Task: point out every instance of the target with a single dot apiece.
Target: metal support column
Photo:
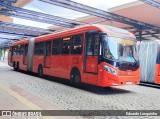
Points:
(140, 35)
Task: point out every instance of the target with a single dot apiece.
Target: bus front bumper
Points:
(119, 80)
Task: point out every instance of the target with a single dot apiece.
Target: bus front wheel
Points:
(40, 71)
(75, 78)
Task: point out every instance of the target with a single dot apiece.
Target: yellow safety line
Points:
(22, 99)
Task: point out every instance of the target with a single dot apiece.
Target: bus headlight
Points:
(109, 69)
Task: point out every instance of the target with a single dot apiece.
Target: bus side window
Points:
(18, 49)
(96, 44)
(56, 49)
(65, 47)
(48, 48)
(39, 48)
(76, 44)
(15, 50)
(36, 49)
(92, 44)
(21, 50)
(26, 50)
(11, 50)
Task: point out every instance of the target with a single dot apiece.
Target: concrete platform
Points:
(14, 98)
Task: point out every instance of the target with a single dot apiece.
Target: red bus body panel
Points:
(157, 74)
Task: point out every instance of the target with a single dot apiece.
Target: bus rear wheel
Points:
(75, 78)
(40, 71)
(14, 66)
(17, 66)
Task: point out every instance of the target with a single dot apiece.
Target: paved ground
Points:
(53, 93)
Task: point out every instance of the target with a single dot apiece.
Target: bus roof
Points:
(20, 42)
(109, 30)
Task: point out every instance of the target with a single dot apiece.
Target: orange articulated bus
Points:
(94, 54)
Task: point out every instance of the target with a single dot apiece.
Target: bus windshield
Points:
(119, 49)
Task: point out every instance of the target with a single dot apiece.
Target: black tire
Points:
(40, 71)
(14, 66)
(75, 78)
(17, 66)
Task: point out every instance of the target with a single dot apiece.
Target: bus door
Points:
(25, 54)
(91, 52)
(47, 54)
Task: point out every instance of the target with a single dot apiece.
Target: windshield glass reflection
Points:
(119, 49)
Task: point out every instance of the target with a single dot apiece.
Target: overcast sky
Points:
(66, 13)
